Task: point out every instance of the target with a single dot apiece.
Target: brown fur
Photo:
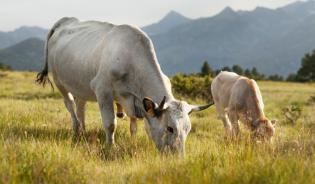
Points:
(253, 95)
(120, 112)
(149, 106)
(238, 98)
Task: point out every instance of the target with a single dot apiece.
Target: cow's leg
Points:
(133, 126)
(70, 105)
(233, 117)
(120, 111)
(80, 104)
(106, 104)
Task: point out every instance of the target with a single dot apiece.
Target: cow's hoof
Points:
(120, 114)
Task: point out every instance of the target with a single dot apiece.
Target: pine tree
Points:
(206, 69)
(226, 68)
(248, 73)
(237, 69)
(307, 71)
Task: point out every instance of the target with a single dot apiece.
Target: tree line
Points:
(5, 67)
(306, 72)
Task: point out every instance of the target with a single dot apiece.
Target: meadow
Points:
(37, 143)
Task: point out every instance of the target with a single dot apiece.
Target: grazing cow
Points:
(238, 98)
(98, 61)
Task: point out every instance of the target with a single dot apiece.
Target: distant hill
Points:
(171, 20)
(26, 55)
(12, 37)
(272, 40)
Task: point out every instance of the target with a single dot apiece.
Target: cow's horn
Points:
(162, 103)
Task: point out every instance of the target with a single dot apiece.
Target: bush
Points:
(275, 77)
(292, 113)
(192, 86)
(5, 67)
(291, 78)
(311, 100)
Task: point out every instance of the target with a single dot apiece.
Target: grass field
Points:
(37, 146)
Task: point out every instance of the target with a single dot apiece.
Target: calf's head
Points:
(169, 124)
(264, 129)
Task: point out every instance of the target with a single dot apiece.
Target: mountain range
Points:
(272, 40)
(10, 38)
(25, 55)
(171, 20)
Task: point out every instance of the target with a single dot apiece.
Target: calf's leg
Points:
(234, 119)
(225, 120)
(227, 124)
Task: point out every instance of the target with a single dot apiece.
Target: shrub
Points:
(311, 100)
(292, 113)
(5, 67)
(192, 86)
(291, 78)
(275, 77)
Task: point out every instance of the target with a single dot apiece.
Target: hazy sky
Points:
(15, 13)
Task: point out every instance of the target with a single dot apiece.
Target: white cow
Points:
(98, 61)
(238, 98)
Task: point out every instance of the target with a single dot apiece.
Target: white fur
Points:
(98, 61)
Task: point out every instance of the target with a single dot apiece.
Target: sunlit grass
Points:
(37, 144)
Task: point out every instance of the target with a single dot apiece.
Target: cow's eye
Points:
(170, 129)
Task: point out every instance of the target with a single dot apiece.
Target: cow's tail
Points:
(42, 77)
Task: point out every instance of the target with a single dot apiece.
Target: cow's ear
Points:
(153, 109)
(149, 106)
(274, 122)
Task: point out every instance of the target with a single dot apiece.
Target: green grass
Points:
(37, 144)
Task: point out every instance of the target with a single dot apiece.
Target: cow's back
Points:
(74, 53)
(83, 55)
(77, 42)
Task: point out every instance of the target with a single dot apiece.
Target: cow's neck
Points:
(154, 86)
(149, 83)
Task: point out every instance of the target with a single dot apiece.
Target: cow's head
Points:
(168, 123)
(264, 128)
